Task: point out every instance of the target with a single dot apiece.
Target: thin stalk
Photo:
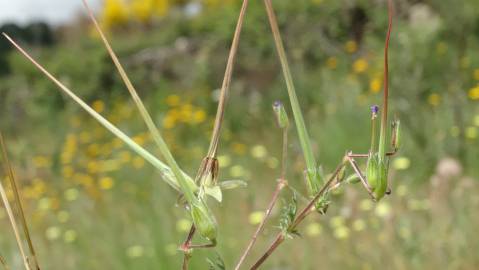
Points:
(16, 232)
(302, 215)
(384, 113)
(297, 114)
(166, 172)
(281, 184)
(213, 148)
(18, 199)
(207, 165)
(160, 142)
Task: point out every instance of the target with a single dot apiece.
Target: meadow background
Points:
(94, 204)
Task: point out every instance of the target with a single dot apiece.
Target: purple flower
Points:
(374, 109)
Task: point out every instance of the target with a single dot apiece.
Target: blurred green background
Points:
(94, 204)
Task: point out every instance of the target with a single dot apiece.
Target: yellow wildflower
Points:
(138, 162)
(351, 46)
(239, 148)
(360, 65)
(375, 85)
(106, 183)
(114, 13)
(98, 106)
(476, 74)
(256, 217)
(434, 99)
(474, 93)
(471, 132)
(332, 62)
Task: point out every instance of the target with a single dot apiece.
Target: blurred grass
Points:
(93, 204)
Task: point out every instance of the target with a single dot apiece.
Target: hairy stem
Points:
(302, 215)
(281, 184)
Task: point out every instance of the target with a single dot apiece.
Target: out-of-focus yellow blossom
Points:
(434, 99)
(69, 236)
(475, 74)
(375, 85)
(366, 205)
(474, 93)
(173, 100)
(360, 65)
(75, 121)
(71, 194)
(139, 139)
(441, 48)
(117, 143)
(401, 163)
(383, 209)
(332, 62)
(67, 171)
(169, 122)
(183, 225)
(125, 156)
(52, 233)
(237, 171)
(44, 204)
(224, 161)
(476, 120)
(359, 225)
(106, 183)
(259, 151)
(98, 106)
(341, 232)
(351, 46)
(239, 148)
(115, 12)
(135, 251)
(199, 116)
(272, 162)
(93, 149)
(317, 2)
(63, 216)
(256, 217)
(336, 221)
(313, 229)
(471, 132)
(93, 167)
(85, 137)
(145, 10)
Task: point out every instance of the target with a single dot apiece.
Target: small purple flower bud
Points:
(374, 111)
(280, 113)
(277, 104)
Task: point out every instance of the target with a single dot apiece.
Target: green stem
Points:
(297, 114)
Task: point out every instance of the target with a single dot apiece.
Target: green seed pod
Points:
(396, 140)
(377, 174)
(280, 113)
(372, 170)
(204, 221)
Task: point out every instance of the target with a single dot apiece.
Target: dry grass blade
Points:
(160, 142)
(18, 199)
(163, 168)
(16, 232)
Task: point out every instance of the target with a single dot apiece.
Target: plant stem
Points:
(16, 193)
(207, 164)
(302, 215)
(281, 184)
(314, 180)
(213, 148)
(166, 171)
